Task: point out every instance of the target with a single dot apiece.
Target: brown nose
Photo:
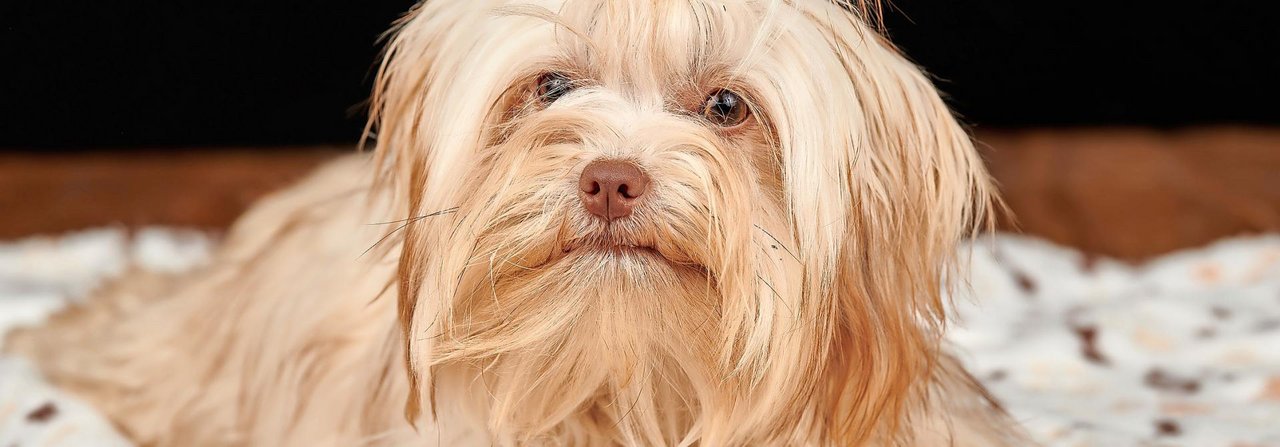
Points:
(611, 188)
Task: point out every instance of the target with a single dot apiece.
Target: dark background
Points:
(152, 73)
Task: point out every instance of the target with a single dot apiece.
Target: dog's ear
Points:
(397, 111)
(919, 189)
(881, 198)
(429, 109)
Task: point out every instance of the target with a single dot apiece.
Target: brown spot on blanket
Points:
(1221, 313)
(1089, 344)
(43, 413)
(1168, 427)
(1163, 381)
(1024, 282)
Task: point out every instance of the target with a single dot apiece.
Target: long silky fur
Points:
(791, 292)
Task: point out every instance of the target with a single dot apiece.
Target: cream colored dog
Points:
(596, 222)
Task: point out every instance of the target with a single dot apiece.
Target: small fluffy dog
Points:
(586, 222)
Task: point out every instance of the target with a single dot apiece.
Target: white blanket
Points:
(1183, 350)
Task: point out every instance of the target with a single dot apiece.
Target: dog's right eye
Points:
(725, 108)
(551, 86)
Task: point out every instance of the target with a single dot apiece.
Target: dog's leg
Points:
(288, 337)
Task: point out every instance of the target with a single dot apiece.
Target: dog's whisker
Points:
(405, 224)
(424, 216)
(779, 242)
(391, 282)
(775, 293)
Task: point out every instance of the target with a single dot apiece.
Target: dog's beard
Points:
(600, 337)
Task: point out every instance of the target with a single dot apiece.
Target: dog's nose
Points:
(611, 188)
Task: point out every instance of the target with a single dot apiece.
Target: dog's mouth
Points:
(617, 251)
(612, 250)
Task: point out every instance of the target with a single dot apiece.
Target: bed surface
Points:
(1182, 350)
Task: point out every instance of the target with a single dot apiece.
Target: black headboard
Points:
(183, 73)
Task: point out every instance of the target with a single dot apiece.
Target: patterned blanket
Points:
(1180, 351)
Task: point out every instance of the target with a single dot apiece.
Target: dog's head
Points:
(655, 221)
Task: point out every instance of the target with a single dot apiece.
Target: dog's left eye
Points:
(551, 86)
(725, 108)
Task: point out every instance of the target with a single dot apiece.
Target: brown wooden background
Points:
(1124, 192)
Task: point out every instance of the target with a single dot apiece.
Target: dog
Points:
(583, 222)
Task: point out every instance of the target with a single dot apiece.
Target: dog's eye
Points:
(551, 86)
(725, 108)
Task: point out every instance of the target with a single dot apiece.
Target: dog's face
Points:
(651, 221)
